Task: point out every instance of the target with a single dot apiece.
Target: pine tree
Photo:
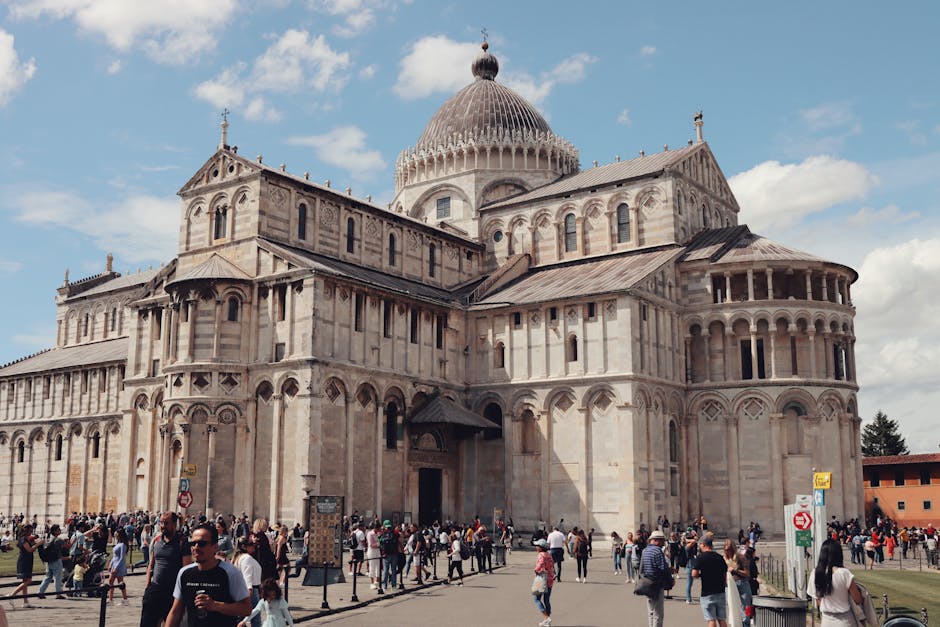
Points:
(881, 436)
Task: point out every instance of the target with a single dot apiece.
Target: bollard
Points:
(434, 566)
(325, 605)
(286, 583)
(354, 598)
(102, 611)
(884, 607)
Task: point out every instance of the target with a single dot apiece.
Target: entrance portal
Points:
(429, 495)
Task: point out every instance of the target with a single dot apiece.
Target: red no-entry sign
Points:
(802, 520)
(185, 499)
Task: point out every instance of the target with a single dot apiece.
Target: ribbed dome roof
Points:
(481, 107)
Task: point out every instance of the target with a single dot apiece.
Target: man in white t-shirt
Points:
(454, 560)
(556, 546)
(358, 551)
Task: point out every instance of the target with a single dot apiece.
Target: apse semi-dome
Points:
(485, 126)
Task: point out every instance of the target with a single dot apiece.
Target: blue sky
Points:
(824, 117)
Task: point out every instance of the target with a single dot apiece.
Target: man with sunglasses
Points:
(168, 554)
(211, 591)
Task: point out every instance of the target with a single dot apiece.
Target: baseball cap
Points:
(386, 523)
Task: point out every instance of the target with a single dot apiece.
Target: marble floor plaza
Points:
(486, 600)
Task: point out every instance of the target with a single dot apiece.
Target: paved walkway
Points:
(502, 598)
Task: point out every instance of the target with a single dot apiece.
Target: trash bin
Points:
(903, 621)
(779, 612)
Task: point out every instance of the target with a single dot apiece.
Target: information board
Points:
(325, 543)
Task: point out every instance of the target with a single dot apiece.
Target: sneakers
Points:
(546, 622)
(583, 579)
(577, 580)
(372, 585)
(29, 606)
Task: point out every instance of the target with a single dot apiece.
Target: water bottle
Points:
(201, 612)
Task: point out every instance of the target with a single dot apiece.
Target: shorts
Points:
(714, 607)
(358, 555)
(558, 555)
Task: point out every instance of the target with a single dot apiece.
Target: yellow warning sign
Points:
(188, 470)
(822, 480)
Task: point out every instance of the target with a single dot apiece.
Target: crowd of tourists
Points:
(227, 568)
(388, 553)
(883, 538)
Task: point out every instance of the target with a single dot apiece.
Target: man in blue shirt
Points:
(653, 566)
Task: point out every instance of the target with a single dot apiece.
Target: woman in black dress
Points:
(27, 544)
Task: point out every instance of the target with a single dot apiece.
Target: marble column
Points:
(809, 285)
(217, 330)
(211, 430)
(770, 284)
(773, 352)
(812, 353)
(754, 367)
(750, 284)
(776, 461)
(276, 449)
(707, 340)
(727, 287)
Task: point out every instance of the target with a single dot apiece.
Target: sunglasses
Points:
(199, 543)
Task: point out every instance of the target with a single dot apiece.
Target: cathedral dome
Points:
(482, 108)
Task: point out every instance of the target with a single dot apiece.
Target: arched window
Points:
(571, 233)
(572, 348)
(114, 315)
(220, 218)
(499, 355)
(704, 216)
(20, 451)
(391, 425)
(58, 447)
(391, 249)
(673, 443)
(350, 235)
(302, 221)
(96, 445)
(232, 309)
(432, 259)
(623, 223)
(493, 413)
(85, 325)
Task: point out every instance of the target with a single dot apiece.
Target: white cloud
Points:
(13, 72)
(258, 110)
(10, 267)
(344, 147)
(898, 346)
(624, 118)
(435, 64)
(136, 227)
(828, 115)
(295, 62)
(647, 51)
(776, 195)
(886, 216)
(225, 90)
(822, 129)
(536, 90)
(114, 67)
(367, 72)
(357, 15)
(169, 31)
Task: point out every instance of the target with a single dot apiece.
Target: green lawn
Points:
(907, 591)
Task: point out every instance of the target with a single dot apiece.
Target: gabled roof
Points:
(582, 277)
(367, 276)
(118, 283)
(639, 167)
(215, 267)
(442, 410)
(91, 354)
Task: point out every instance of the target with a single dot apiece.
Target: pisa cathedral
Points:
(601, 344)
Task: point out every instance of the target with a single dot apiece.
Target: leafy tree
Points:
(881, 436)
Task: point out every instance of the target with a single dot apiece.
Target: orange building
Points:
(905, 488)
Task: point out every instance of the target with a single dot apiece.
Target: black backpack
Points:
(464, 550)
(47, 552)
(388, 543)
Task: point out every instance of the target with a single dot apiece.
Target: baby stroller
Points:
(95, 576)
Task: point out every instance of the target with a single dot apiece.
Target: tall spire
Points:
(699, 123)
(224, 143)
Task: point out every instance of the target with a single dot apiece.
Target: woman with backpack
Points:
(616, 546)
(631, 557)
(51, 554)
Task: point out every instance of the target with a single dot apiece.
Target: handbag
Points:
(646, 586)
(539, 584)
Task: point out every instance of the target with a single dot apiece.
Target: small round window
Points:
(498, 236)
